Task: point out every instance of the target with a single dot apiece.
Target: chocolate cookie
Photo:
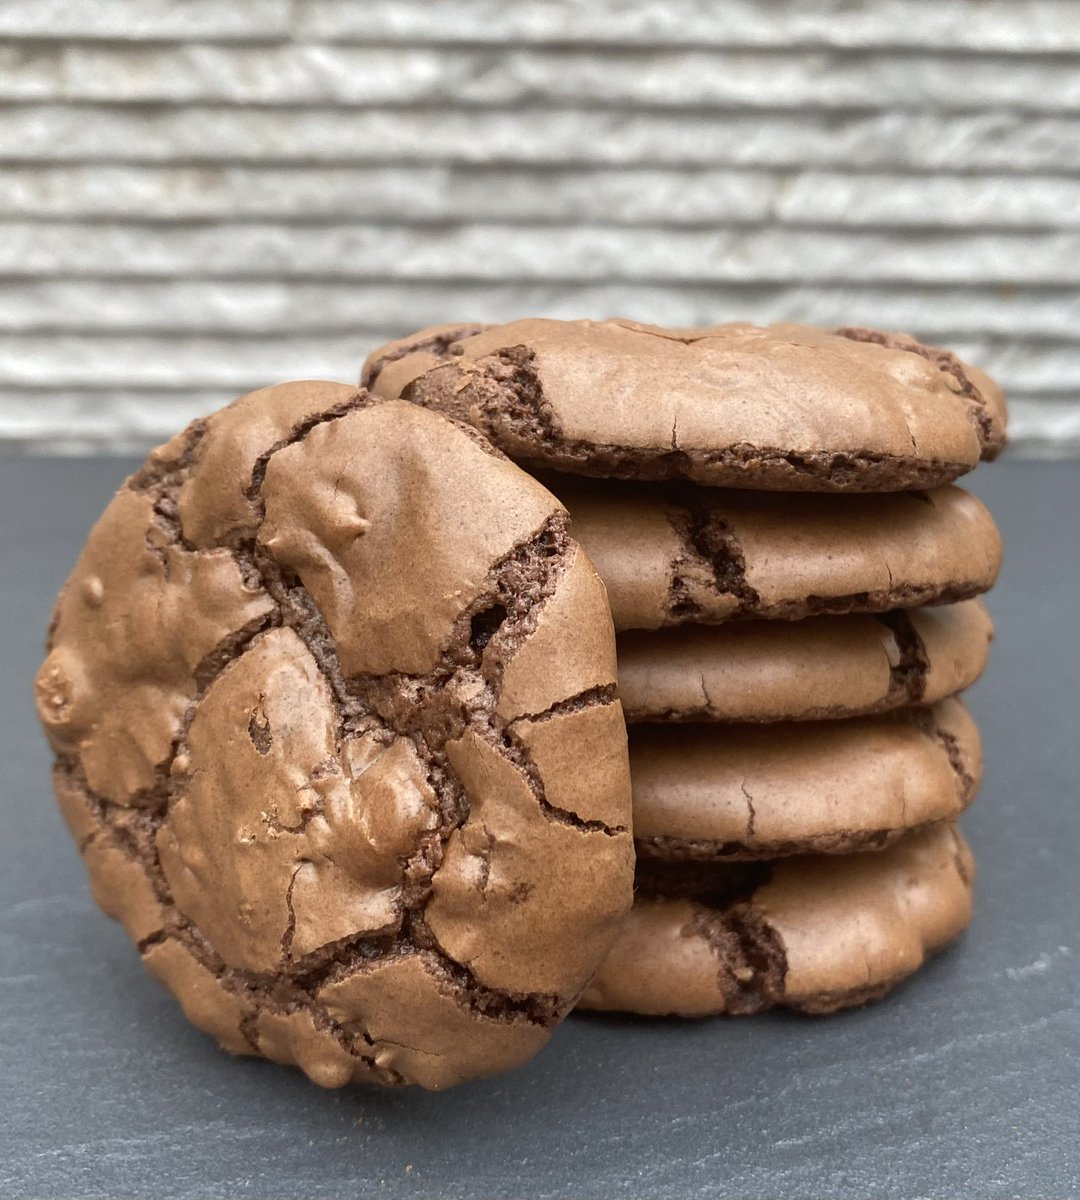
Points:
(813, 933)
(784, 407)
(803, 670)
(331, 692)
(731, 792)
(673, 556)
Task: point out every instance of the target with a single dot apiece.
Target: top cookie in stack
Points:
(784, 407)
(845, 622)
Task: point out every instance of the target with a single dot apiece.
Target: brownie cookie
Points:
(803, 670)
(332, 695)
(812, 933)
(673, 556)
(732, 792)
(784, 407)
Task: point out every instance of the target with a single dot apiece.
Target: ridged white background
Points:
(200, 197)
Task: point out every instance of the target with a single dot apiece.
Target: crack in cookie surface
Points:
(947, 362)
(429, 711)
(708, 543)
(811, 933)
(823, 668)
(439, 343)
(730, 792)
(712, 556)
(522, 384)
(510, 408)
(908, 674)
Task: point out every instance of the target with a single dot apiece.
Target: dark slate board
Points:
(963, 1084)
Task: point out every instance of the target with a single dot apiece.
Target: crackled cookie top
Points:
(813, 933)
(714, 792)
(787, 407)
(331, 692)
(689, 555)
(836, 666)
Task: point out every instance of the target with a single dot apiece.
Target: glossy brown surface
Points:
(307, 685)
(788, 407)
(819, 935)
(837, 666)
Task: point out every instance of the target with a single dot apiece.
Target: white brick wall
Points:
(198, 197)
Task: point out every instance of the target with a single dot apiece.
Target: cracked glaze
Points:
(832, 666)
(784, 407)
(682, 555)
(813, 933)
(264, 675)
(730, 792)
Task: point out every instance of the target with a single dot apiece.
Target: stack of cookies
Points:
(792, 576)
(335, 689)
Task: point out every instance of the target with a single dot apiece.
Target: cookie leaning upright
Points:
(331, 692)
(785, 407)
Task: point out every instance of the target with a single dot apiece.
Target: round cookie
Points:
(813, 933)
(821, 667)
(785, 407)
(332, 695)
(737, 792)
(674, 556)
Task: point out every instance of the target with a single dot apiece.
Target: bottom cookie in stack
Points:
(812, 932)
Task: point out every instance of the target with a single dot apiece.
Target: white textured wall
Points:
(198, 196)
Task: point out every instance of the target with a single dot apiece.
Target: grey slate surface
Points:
(963, 1084)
